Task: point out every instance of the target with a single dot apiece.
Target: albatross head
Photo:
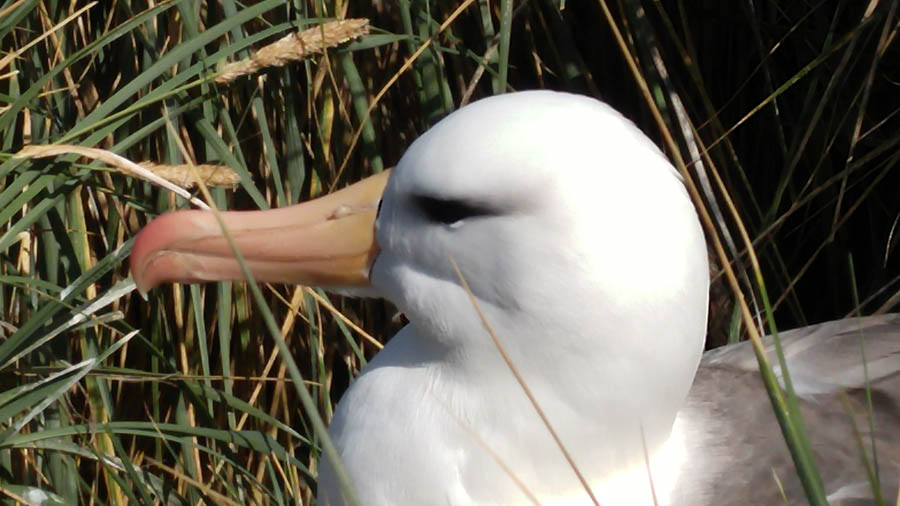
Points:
(574, 233)
(580, 244)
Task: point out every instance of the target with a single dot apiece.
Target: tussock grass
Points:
(185, 397)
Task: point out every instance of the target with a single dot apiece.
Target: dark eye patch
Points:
(449, 211)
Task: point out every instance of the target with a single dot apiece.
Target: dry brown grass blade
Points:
(523, 487)
(10, 8)
(124, 165)
(296, 47)
(182, 175)
(390, 82)
(347, 321)
(13, 496)
(182, 476)
(6, 60)
(525, 389)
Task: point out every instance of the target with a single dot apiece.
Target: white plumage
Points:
(584, 252)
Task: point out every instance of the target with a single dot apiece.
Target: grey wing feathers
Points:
(828, 357)
(730, 419)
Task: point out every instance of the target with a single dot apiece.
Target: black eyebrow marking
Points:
(449, 211)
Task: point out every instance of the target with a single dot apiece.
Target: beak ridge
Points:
(329, 241)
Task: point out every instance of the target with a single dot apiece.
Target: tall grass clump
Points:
(787, 113)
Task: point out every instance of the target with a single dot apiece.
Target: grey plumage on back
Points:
(729, 416)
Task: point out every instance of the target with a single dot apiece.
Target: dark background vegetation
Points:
(797, 103)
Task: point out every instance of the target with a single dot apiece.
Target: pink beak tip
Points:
(152, 239)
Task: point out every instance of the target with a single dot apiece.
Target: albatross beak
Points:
(329, 241)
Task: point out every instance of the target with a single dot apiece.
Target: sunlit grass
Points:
(186, 396)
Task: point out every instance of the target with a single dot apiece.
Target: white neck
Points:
(608, 413)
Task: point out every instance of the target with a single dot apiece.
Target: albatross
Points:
(578, 247)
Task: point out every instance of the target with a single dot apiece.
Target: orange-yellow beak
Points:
(329, 241)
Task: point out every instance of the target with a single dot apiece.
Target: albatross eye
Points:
(450, 211)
